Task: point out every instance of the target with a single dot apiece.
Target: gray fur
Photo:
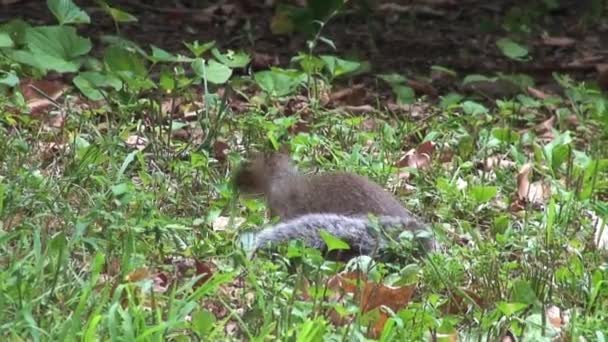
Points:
(357, 231)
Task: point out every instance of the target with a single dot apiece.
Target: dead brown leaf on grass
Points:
(137, 142)
(262, 61)
(536, 193)
(41, 94)
(351, 96)
(419, 157)
(497, 162)
(423, 88)
(369, 296)
(545, 129)
(561, 42)
(537, 93)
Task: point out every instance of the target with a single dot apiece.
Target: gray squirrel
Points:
(364, 236)
(338, 202)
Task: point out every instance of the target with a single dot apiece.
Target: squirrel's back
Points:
(290, 194)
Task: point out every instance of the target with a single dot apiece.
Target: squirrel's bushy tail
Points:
(358, 231)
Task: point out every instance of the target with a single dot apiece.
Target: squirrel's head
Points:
(256, 175)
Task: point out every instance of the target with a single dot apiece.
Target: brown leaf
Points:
(423, 88)
(204, 269)
(220, 150)
(138, 275)
(554, 316)
(40, 94)
(135, 141)
(523, 181)
(418, 158)
(558, 41)
(537, 93)
(460, 300)
(351, 96)
(363, 109)
(369, 296)
(261, 61)
(535, 193)
(494, 162)
(299, 127)
(545, 129)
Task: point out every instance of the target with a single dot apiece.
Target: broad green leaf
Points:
(218, 73)
(445, 70)
(198, 49)
(231, 59)
(524, 293)
(477, 78)
(482, 194)
(473, 108)
(16, 30)
(332, 242)
(311, 331)
(279, 82)
(393, 78)
(404, 94)
(451, 99)
(67, 12)
(203, 322)
(212, 71)
(61, 42)
(43, 62)
(160, 55)
(338, 67)
(120, 189)
(5, 40)
(309, 64)
(508, 309)
(505, 135)
(90, 84)
(117, 14)
(557, 151)
(119, 59)
(512, 49)
(9, 79)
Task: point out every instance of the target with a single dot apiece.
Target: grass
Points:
(119, 221)
(96, 235)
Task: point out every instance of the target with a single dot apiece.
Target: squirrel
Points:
(337, 201)
(363, 236)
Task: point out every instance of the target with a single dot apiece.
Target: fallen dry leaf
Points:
(554, 316)
(424, 88)
(364, 109)
(299, 127)
(351, 96)
(419, 157)
(41, 94)
(135, 141)
(262, 61)
(138, 275)
(221, 223)
(545, 129)
(369, 296)
(537, 93)
(558, 41)
(499, 162)
(220, 150)
(534, 193)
